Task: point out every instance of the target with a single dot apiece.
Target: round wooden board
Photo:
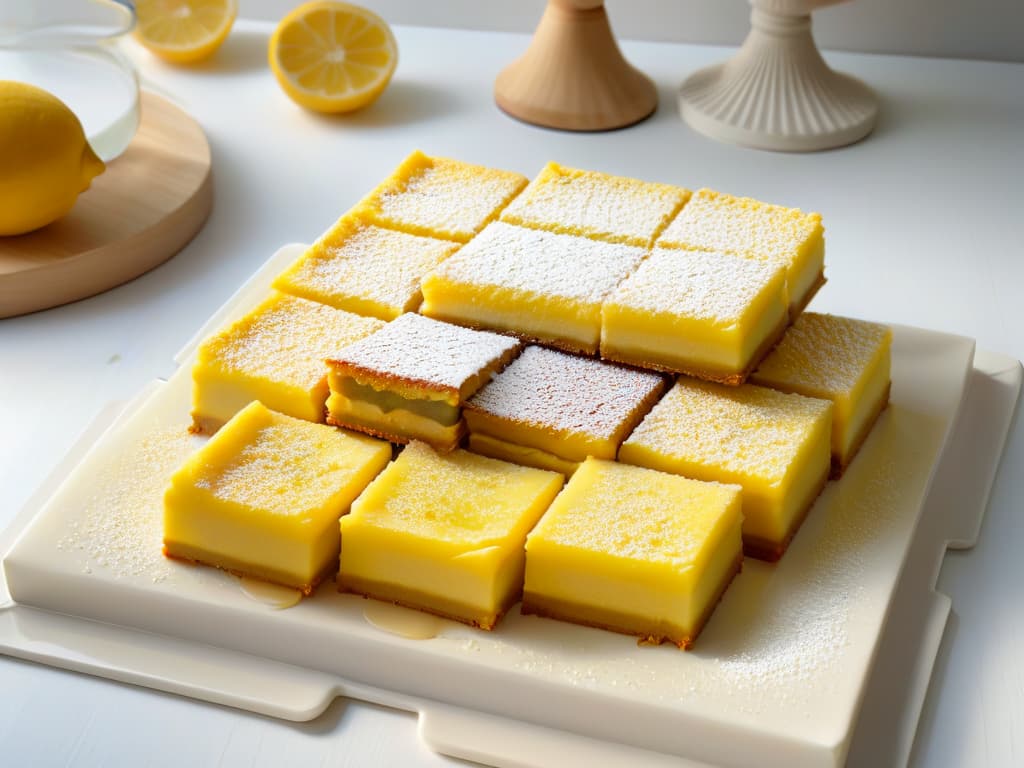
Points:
(147, 205)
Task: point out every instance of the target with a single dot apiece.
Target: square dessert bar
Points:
(774, 445)
(839, 359)
(710, 315)
(538, 285)
(263, 497)
(713, 221)
(444, 534)
(274, 354)
(635, 551)
(551, 410)
(438, 197)
(616, 209)
(366, 269)
(409, 379)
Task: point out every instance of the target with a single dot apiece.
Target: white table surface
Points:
(925, 222)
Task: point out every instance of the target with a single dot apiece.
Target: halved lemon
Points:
(184, 31)
(333, 57)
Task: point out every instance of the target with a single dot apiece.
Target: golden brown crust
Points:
(205, 425)
(728, 379)
(772, 551)
(532, 605)
(389, 380)
(305, 589)
(838, 466)
(370, 592)
(394, 437)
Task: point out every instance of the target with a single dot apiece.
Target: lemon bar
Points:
(597, 205)
(439, 197)
(444, 534)
(274, 354)
(774, 445)
(839, 359)
(541, 286)
(263, 497)
(409, 379)
(365, 269)
(710, 315)
(713, 221)
(634, 550)
(553, 410)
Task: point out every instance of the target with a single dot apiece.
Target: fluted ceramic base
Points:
(573, 76)
(778, 93)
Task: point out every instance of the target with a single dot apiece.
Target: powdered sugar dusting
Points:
(824, 353)
(567, 394)
(714, 287)
(637, 514)
(713, 221)
(120, 528)
(445, 197)
(542, 263)
(426, 351)
(749, 431)
(459, 497)
(595, 204)
(286, 339)
(366, 269)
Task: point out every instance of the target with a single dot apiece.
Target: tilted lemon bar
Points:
(616, 209)
(713, 221)
(366, 269)
(635, 551)
(444, 534)
(774, 445)
(263, 497)
(274, 354)
(551, 410)
(709, 315)
(409, 379)
(439, 197)
(839, 359)
(541, 286)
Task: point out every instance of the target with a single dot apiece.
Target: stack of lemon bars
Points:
(590, 393)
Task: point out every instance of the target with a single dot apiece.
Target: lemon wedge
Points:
(184, 31)
(333, 57)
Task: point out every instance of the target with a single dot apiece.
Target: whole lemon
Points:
(45, 161)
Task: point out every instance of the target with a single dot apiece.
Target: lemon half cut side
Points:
(333, 57)
(184, 31)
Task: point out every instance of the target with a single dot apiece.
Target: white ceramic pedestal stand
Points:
(777, 92)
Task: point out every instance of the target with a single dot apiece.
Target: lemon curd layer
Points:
(840, 359)
(263, 497)
(275, 354)
(541, 286)
(440, 197)
(713, 221)
(497, 448)
(444, 533)
(564, 406)
(711, 315)
(408, 380)
(774, 445)
(616, 209)
(634, 550)
(365, 269)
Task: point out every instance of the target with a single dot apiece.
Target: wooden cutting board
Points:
(147, 205)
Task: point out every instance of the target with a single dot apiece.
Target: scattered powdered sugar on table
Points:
(120, 527)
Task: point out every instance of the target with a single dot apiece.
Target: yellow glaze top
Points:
(440, 197)
(285, 467)
(750, 431)
(640, 514)
(714, 221)
(594, 204)
(459, 498)
(825, 354)
(285, 339)
(365, 268)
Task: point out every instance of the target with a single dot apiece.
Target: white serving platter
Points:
(777, 677)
